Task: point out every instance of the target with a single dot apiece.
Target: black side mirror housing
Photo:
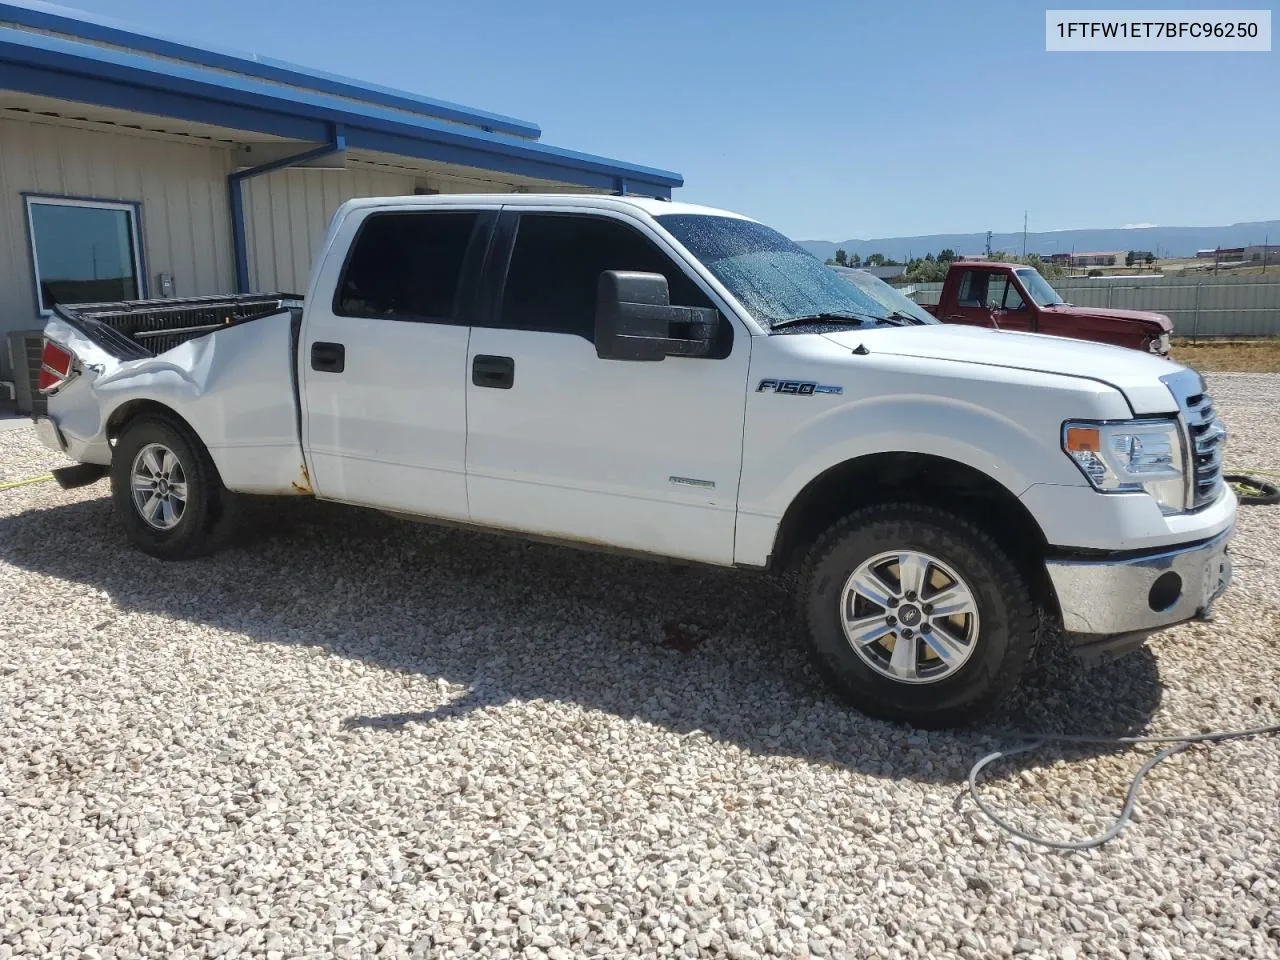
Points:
(635, 320)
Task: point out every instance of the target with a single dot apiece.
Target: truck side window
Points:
(973, 288)
(1012, 298)
(557, 261)
(406, 266)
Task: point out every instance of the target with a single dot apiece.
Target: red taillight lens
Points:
(55, 366)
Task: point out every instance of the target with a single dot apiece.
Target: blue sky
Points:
(826, 120)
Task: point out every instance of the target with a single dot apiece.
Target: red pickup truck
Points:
(1012, 296)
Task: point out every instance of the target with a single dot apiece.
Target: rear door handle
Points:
(496, 372)
(328, 357)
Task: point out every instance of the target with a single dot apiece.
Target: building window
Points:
(84, 251)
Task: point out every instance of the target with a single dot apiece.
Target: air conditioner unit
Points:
(25, 347)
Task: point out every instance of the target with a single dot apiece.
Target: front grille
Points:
(1206, 436)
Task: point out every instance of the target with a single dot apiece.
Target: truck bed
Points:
(136, 329)
(226, 366)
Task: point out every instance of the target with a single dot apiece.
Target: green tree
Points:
(842, 258)
(1129, 258)
(855, 261)
(927, 270)
(1148, 258)
(876, 260)
(947, 255)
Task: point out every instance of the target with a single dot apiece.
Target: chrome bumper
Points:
(1143, 593)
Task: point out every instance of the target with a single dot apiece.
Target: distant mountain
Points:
(1163, 241)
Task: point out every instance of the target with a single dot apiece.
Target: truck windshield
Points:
(1038, 288)
(774, 278)
(892, 299)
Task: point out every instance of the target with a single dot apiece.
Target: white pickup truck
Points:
(680, 382)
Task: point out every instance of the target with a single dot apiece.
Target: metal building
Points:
(134, 166)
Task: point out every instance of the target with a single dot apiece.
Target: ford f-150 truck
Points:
(1011, 296)
(676, 381)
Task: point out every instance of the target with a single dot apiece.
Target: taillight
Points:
(57, 366)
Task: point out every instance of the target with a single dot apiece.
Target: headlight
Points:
(1140, 455)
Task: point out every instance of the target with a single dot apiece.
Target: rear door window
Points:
(407, 266)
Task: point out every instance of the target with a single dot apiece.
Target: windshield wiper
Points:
(826, 317)
(903, 319)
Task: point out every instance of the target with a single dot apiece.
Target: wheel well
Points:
(915, 478)
(127, 412)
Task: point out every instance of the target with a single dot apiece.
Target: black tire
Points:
(208, 516)
(1002, 641)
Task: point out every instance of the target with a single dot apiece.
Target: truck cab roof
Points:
(990, 265)
(590, 201)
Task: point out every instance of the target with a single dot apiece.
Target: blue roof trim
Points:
(42, 16)
(83, 72)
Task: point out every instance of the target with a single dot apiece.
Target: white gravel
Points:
(349, 736)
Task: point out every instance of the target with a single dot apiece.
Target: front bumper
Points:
(1137, 595)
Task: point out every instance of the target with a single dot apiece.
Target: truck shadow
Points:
(685, 647)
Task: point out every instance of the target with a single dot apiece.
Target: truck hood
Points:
(1134, 373)
(1157, 320)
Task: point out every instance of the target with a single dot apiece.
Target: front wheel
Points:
(915, 614)
(167, 492)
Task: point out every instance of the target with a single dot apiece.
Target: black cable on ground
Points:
(1178, 744)
(1267, 495)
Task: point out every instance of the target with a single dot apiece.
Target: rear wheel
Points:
(167, 492)
(915, 614)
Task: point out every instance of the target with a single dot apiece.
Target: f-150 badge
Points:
(801, 388)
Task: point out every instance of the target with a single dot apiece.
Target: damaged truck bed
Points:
(226, 365)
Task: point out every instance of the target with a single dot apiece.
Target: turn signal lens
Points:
(1083, 440)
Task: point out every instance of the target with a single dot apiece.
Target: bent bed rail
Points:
(133, 329)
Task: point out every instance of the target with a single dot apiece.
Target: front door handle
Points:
(496, 372)
(328, 357)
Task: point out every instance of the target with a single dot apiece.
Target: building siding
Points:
(286, 213)
(185, 223)
(185, 226)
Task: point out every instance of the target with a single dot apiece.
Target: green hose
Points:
(22, 483)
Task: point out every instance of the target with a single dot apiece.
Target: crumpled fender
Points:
(233, 387)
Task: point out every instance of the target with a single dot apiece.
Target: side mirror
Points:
(635, 320)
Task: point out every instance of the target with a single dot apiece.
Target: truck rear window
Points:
(406, 266)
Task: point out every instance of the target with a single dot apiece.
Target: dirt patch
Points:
(1242, 356)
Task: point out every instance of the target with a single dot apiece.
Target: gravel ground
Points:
(349, 736)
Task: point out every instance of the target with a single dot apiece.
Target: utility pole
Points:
(988, 243)
(1266, 247)
(1024, 234)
